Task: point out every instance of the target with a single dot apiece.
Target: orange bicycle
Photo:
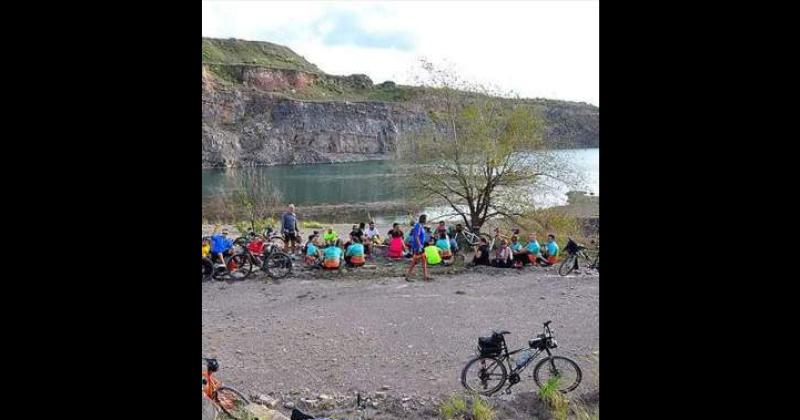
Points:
(229, 400)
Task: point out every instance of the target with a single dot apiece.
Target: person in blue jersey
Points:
(417, 245)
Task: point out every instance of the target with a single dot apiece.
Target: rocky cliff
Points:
(265, 105)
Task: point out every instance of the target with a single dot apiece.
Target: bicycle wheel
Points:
(484, 375)
(278, 241)
(567, 265)
(240, 266)
(208, 269)
(596, 263)
(232, 402)
(277, 265)
(559, 368)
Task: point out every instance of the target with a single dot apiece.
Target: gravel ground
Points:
(370, 331)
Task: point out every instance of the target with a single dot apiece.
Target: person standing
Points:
(290, 230)
(417, 245)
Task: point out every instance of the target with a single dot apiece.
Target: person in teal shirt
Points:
(443, 243)
(551, 249)
(519, 253)
(515, 245)
(312, 252)
(534, 250)
(354, 257)
(332, 256)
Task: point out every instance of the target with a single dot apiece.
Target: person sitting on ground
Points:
(502, 257)
(433, 254)
(407, 240)
(482, 254)
(550, 251)
(330, 236)
(358, 231)
(206, 248)
(372, 232)
(354, 256)
(534, 250)
(441, 227)
(396, 244)
(443, 243)
(331, 256)
(221, 247)
(453, 233)
(519, 252)
(372, 237)
(312, 252)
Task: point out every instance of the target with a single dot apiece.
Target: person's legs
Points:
(425, 268)
(413, 264)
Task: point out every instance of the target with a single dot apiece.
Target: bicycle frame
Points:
(211, 385)
(512, 370)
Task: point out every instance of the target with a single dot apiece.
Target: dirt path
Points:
(345, 335)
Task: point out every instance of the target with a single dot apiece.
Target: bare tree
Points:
(252, 194)
(486, 156)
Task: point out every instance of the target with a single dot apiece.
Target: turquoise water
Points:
(375, 181)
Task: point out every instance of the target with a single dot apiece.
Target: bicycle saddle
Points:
(504, 332)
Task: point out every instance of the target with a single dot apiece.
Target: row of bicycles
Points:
(251, 254)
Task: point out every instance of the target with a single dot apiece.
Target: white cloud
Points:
(536, 48)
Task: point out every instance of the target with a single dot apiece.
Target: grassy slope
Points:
(327, 87)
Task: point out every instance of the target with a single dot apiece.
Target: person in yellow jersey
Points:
(433, 254)
(206, 248)
(330, 236)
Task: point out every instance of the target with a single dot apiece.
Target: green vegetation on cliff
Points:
(266, 54)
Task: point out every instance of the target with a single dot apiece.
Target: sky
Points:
(544, 49)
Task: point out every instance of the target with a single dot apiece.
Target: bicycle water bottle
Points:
(526, 355)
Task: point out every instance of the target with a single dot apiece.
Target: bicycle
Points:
(229, 400)
(465, 239)
(208, 269)
(274, 262)
(237, 266)
(493, 352)
(575, 251)
(268, 233)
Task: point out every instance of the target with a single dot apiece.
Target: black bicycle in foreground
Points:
(487, 373)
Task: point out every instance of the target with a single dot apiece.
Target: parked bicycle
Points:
(229, 400)
(575, 252)
(237, 266)
(271, 235)
(268, 257)
(487, 373)
(466, 239)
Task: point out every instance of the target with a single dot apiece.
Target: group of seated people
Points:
(514, 254)
(328, 251)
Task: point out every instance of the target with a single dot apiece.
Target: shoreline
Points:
(579, 204)
(338, 158)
